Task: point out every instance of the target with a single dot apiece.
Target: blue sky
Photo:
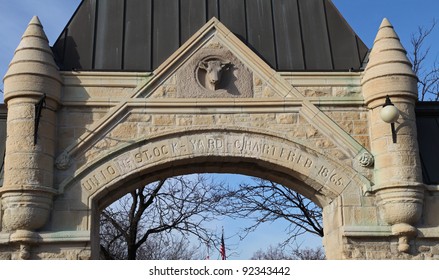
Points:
(364, 16)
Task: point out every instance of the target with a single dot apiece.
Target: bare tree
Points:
(265, 201)
(428, 77)
(158, 247)
(147, 217)
(168, 247)
(309, 254)
(272, 253)
(280, 253)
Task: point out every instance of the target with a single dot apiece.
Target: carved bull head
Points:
(214, 70)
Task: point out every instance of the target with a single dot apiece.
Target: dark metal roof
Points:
(427, 121)
(138, 35)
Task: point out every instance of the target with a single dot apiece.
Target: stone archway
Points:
(326, 176)
(225, 150)
(99, 133)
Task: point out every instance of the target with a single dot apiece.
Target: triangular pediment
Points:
(177, 85)
(214, 63)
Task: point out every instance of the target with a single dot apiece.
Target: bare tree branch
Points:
(280, 253)
(183, 206)
(180, 205)
(267, 201)
(428, 76)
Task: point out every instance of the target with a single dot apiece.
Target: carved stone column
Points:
(27, 192)
(398, 174)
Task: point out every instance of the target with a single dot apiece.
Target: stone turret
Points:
(398, 174)
(32, 78)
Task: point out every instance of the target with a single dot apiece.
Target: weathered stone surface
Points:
(163, 120)
(115, 131)
(236, 81)
(5, 256)
(28, 212)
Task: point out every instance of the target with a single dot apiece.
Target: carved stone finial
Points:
(63, 161)
(388, 65)
(404, 232)
(33, 63)
(24, 252)
(366, 160)
(401, 207)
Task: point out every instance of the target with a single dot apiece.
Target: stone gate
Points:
(92, 118)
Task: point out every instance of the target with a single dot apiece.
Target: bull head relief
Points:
(214, 69)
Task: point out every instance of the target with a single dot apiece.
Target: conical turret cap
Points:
(388, 56)
(33, 65)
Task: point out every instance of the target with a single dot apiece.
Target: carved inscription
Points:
(100, 177)
(293, 156)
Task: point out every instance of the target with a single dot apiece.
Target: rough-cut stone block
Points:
(286, 118)
(204, 120)
(163, 120)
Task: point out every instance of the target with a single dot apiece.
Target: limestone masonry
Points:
(213, 106)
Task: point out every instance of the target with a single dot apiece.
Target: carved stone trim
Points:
(63, 161)
(366, 159)
(328, 127)
(211, 73)
(214, 72)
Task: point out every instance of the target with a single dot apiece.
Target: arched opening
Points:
(291, 164)
(181, 218)
(201, 165)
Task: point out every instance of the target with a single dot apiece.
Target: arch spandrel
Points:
(214, 149)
